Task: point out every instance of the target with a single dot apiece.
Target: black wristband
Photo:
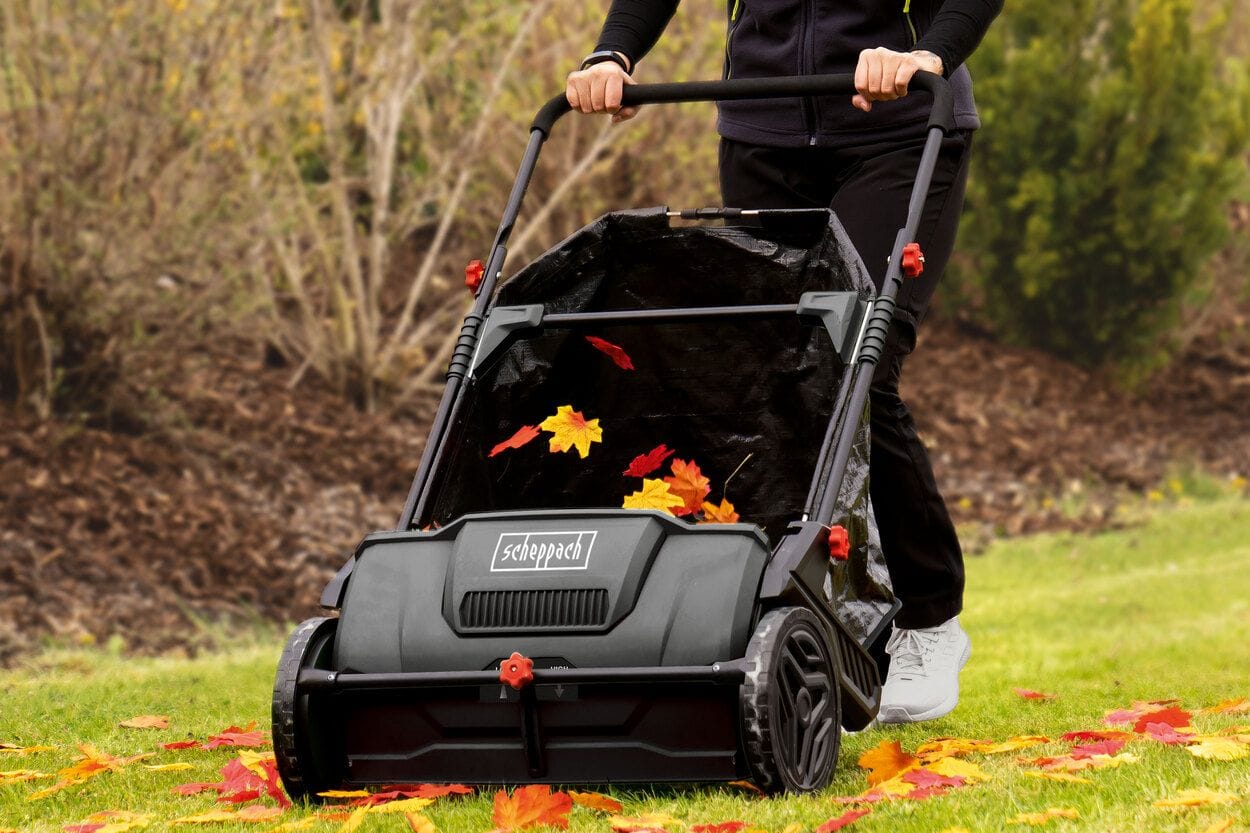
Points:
(605, 55)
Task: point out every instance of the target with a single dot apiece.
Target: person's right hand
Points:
(597, 89)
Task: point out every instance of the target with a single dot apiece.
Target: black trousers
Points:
(868, 187)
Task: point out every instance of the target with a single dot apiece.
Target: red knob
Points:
(839, 543)
(517, 671)
(913, 260)
(473, 275)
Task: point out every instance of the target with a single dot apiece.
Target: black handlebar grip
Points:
(942, 113)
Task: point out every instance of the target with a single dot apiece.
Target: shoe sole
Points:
(898, 715)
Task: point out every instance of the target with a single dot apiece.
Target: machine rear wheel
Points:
(303, 758)
(790, 706)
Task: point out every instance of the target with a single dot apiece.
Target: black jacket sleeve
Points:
(957, 29)
(633, 26)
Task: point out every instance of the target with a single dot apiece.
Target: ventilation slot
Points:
(534, 609)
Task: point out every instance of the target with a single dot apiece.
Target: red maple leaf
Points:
(689, 484)
(614, 352)
(234, 736)
(531, 806)
(1166, 733)
(723, 827)
(1102, 747)
(1172, 716)
(1030, 694)
(520, 438)
(842, 821)
(1098, 734)
(180, 744)
(644, 464)
(927, 778)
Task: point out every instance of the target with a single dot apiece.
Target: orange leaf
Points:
(654, 495)
(1219, 826)
(1102, 734)
(520, 438)
(689, 484)
(614, 352)
(723, 514)
(647, 821)
(596, 801)
(531, 806)
(1030, 694)
(235, 736)
(644, 464)
(15, 776)
(746, 786)
(886, 760)
(419, 823)
(1238, 706)
(14, 749)
(146, 721)
(843, 820)
(258, 812)
(571, 429)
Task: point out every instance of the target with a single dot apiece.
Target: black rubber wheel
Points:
(304, 760)
(790, 706)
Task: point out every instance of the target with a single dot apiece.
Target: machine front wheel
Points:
(304, 760)
(790, 707)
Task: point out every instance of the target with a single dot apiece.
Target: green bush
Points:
(1114, 136)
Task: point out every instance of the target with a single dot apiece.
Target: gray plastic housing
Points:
(677, 594)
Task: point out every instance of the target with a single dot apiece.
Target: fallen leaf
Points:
(1016, 743)
(1066, 777)
(406, 805)
(613, 351)
(654, 494)
(1166, 733)
(298, 824)
(1238, 706)
(886, 760)
(353, 821)
(15, 776)
(1172, 716)
(1102, 747)
(928, 778)
(1101, 734)
(596, 801)
(14, 749)
(958, 768)
(520, 438)
(419, 823)
(1196, 798)
(945, 747)
(210, 817)
(849, 817)
(174, 767)
(180, 744)
(1045, 816)
(723, 514)
(258, 812)
(235, 736)
(1214, 748)
(91, 763)
(1030, 694)
(570, 429)
(1121, 716)
(723, 827)
(146, 721)
(532, 805)
(1219, 826)
(644, 464)
(747, 786)
(428, 790)
(345, 794)
(647, 821)
(110, 821)
(689, 484)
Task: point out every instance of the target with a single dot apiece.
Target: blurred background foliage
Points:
(306, 178)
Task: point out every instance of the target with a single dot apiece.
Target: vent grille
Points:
(859, 672)
(534, 609)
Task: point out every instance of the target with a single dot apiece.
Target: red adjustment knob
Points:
(913, 260)
(473, 275)
(517, 671)
(839, 543)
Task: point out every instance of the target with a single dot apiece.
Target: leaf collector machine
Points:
(516, 626)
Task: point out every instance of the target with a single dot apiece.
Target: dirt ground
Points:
(242, 500)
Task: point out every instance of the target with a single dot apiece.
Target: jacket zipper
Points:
(806, 68)
(911, 27)
(733, 24)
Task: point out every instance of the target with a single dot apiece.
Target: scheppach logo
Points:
(531, 551)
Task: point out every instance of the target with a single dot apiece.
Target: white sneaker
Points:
(923, 682)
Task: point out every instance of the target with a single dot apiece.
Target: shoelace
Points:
(908, 650)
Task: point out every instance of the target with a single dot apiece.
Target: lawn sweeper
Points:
(519, 624)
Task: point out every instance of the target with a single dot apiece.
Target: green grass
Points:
(1156, 611)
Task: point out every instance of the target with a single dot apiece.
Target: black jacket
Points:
(805, 37)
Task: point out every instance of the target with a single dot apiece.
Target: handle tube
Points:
(941, 115)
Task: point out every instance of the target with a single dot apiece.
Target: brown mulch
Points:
(241, 500)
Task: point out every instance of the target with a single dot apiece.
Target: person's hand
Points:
(597, 89)
(883, 74)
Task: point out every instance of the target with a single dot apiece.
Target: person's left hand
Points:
(883, 74)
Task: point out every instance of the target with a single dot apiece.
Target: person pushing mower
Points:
(858, 160)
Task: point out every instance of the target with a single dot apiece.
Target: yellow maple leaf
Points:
(654, 495)
(14, 749)
(420, 823)
(209, 817)
(1216, 748)
(1196, 798)
(958, 768)
(943, 747)
(570, 429)
(298, 824)
(1018, 742)
(175, 767)
(118, 821)
(407, 805)
(1238, 705)
(647, 821)
(1045, 816)
(1066, 777)
(146, 721)
(345, 794)
(13, 776)
(354, 820)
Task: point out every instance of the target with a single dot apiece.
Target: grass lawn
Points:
(1160, 610)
